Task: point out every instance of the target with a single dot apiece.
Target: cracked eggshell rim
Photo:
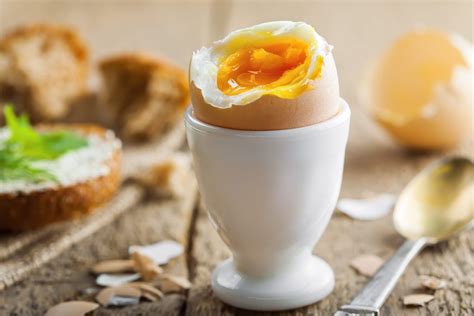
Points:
(273, 113)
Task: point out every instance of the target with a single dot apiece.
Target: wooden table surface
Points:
(359, 30)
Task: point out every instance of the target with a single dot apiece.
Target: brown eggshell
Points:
(274, 113)
(72, 308)
(423, 103)
(443, 131)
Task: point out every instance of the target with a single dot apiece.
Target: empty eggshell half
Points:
(421, 89)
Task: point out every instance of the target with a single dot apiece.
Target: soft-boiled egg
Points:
(421, 89)
(275, 75)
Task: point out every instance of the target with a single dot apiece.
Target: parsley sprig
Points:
(26, 145)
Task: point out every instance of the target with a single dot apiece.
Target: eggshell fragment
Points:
(116, 279)
(145, 266)
(113, 266)
(274, 113)
(171, 283)
(119, 296)
(417, 299)
(161, 252)
(367, 264)
(72, 308)
(150, 297)
(123, 301)
(432, 283)
(367, 209)
(147, 290)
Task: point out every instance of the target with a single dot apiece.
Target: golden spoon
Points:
(437, 204)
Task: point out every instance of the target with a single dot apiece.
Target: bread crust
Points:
(22, 211)
(27, 94)
(142, 62)
(137, 118)
(67, 33)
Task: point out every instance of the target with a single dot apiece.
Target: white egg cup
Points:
(270, 195)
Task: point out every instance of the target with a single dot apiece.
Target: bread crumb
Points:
(168, 177)
(43, 67)
(143, 94)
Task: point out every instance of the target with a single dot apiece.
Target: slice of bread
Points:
(87, 178)
(42, 69)
(143, 95)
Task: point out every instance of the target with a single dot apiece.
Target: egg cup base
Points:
(308, 283)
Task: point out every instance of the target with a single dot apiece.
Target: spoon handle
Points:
(373, 295)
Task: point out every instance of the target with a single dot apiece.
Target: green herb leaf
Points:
(15, 167)
(25, 145)
(35, 145)
(57, 143)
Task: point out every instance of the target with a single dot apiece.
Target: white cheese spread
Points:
(71, 168)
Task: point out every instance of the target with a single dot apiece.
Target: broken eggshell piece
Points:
(147, 289)
(367, 264)
(146, 266)
(171, 283)
(72, 308)
(113, 266)
(367, 209)
(432, 283)
(417, 299)
(161, 252)
(116, 279)
(119, 296)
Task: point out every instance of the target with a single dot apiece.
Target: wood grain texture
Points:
(23, 260)
(68, 276)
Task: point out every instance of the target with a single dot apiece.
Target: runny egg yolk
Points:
(267, 65)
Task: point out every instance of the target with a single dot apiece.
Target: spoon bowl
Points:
(434, 206)
(438, 202)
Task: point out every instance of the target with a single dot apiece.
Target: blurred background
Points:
(359, 30)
